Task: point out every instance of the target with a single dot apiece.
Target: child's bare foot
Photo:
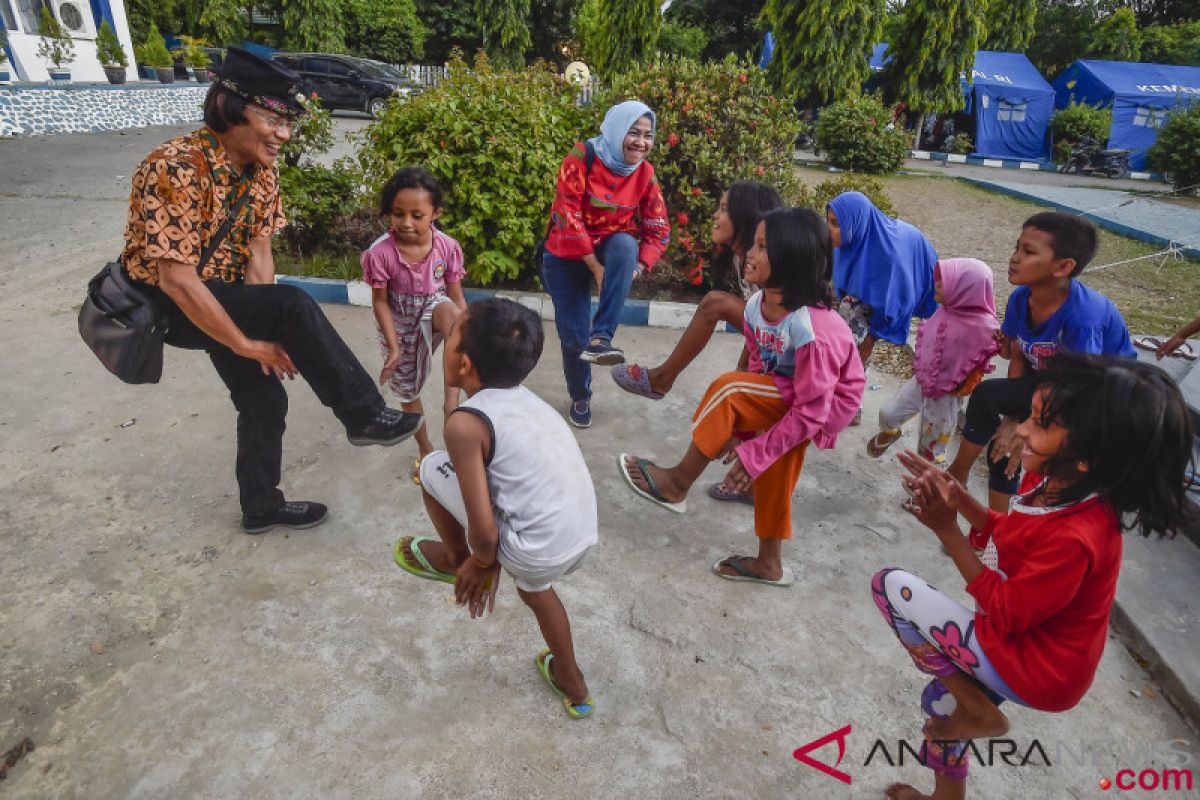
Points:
(668, 486)
(981, 722)
(569, 680)
(756, 566)
(434, 552)
(658, 380)
(902, 791)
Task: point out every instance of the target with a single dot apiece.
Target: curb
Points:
(1104, 222)
(650, 313)
(1007, 163)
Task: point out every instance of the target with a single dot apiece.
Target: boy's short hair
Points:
(504, 340)
(1074, 236)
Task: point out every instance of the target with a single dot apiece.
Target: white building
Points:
(81, 18)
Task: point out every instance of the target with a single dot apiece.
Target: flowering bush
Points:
(859, 134)
(717, 123)
(311, 135)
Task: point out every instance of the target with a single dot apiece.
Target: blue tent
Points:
(1140, 96)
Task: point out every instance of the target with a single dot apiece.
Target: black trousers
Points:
(287, 315)
(992, 400)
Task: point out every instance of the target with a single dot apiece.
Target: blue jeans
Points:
(569, 283)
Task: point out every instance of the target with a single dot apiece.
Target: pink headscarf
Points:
(960, 336)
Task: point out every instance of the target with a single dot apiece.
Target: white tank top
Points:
(541, 489)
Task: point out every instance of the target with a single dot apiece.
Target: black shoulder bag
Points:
(589, 158)
(124, 325)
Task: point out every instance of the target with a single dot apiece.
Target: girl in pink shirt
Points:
(415, 273)
(804, 384)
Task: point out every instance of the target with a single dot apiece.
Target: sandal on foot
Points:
(420, 565)
(744, 575)
(574, 710)
(719, 491)
(653, 495)
(416, 471)
(878, 444)
(635, 379)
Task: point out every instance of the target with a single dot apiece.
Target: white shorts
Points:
(439, 480)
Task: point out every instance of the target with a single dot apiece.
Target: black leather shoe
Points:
(387, 427)
(298, 515)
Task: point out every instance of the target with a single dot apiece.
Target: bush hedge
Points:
(717, 123)
(1078, 120)
(1176, 152)
(859, 134)
(494, 139)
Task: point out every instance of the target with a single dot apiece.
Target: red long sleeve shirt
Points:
(1042, 617)
(590, 207)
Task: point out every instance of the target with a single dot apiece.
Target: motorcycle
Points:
(1089, 158)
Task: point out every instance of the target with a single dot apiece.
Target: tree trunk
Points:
(920, 127)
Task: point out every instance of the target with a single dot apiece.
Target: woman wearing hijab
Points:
(608, 225)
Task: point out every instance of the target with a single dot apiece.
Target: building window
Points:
(1011, 112)
(1148, 117)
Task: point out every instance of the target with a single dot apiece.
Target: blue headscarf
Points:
(610, 144)
(885, 263)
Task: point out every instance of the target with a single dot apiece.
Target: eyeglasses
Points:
(274, 122)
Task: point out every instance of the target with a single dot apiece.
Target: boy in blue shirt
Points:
(1047, 313)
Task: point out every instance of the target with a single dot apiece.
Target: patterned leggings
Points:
(939, 634)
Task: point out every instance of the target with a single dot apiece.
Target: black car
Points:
(347, 82)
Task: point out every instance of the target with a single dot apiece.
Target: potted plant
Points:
(110, 54)
(154, 54)
(4, 76)
(55, 46)
(195, 57)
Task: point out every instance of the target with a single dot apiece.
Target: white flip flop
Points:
(678, 508)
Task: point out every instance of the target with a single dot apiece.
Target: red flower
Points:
(682, 217)
(758, 170)
(672, 140)
(696, 191)
(742, 77)
(696, 273)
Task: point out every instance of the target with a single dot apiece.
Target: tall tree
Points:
(504, 25)
(630, 34)
(314, 25)
(225, 22)
(1172, 44)
(386, 30)
(1010, 25)
(730, 26)
(554, 29)
(450, 25)
(822, 47)
(1117, 37)
(936, 46)
(1062, 34)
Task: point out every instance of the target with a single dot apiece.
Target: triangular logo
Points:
(801, 753)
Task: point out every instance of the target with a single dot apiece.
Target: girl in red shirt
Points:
(1108, 439)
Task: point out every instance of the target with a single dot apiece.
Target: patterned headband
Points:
(266, 101)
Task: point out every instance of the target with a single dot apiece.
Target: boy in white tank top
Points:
(511, 489)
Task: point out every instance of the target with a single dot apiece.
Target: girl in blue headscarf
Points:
(608, 225)
(882, 271)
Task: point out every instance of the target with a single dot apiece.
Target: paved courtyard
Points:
(150, 649)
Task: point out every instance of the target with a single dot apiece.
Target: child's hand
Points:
(729, 452)
(476, 585)
(1008, 443)
(918, 467)
(389, 367)
(932, 500)
(1005, 344)
(737, 478)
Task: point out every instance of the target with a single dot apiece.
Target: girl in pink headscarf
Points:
(954, 348)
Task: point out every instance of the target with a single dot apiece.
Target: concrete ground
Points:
(151, 649)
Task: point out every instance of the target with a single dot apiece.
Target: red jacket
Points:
(583, 216)
(1044, 621)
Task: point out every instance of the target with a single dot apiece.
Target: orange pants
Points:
(747, 402)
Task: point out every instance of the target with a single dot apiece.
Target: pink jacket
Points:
(825, 393)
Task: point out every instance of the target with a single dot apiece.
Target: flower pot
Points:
(202, 75)
(115, 74)
(60, 77)
(4, 76)
(165, 74)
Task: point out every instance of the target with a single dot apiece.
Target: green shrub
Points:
(495, 140)
(858, 134)
(108, 47)
(817, 197)
(193, 53)
(315, 198)
(1078, 120)
(3, 42)
(312, 133)
(55, 44)
(717, 123)
(1176, 152)
(153, 52)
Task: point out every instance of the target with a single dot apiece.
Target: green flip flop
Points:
(422, 569)
(574, 710)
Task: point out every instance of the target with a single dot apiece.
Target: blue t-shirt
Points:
(1087, 322)
(776, 342)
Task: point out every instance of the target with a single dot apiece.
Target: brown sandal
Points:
(878, 444)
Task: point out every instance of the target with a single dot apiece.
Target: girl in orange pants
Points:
(805, 384)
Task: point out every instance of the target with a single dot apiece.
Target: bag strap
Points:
(225, 228)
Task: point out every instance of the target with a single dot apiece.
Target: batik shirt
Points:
(182, 193)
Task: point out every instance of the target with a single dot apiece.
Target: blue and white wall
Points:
(82, 18)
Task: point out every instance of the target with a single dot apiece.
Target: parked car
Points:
(347, 82)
